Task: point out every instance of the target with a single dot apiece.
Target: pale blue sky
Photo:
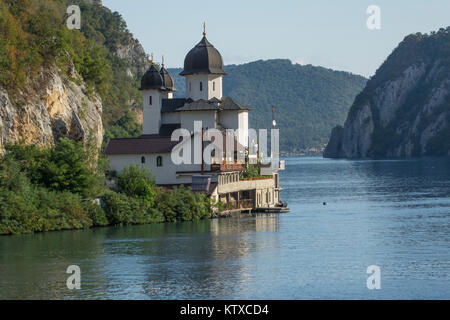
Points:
(330, 33)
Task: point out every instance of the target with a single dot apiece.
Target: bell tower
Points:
(152, 87)
(203, 70)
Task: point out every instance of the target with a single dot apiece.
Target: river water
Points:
(394, 214)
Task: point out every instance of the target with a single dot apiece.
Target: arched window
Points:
(214, 86)
(201, 86)
(143, 160)
(159, 161)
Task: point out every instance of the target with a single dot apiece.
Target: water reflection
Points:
(395, 214)
(184, 260)
(212, 265)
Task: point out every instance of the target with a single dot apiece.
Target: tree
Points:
(136, 181)
(67, 169)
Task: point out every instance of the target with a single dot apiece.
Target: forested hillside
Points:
(308, 100)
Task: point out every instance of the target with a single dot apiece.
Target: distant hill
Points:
(308, 100)
(405, 108)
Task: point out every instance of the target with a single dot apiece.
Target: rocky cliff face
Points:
(134, 55)
(404, 109)
(61, 108)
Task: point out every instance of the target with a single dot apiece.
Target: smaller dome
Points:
(168, 82)
(152, 79)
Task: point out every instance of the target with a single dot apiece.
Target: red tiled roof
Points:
(146, 144)
(142, 145)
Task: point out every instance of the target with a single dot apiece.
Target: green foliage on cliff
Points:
(33, 35)
(108, 31)
(126, 127)
(309, 101)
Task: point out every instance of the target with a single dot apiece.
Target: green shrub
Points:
(121, 209)
(181, 204)
(95, 213)
(41, 189)
(136, 181)
(118, 208)
(62, 210)
(40, 210)
(68, 166)
(252, 171)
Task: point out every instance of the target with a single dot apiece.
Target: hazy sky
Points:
(330, 33)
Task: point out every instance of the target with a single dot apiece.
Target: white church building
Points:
(204, 101)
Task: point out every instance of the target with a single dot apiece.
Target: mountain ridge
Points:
(308, 100)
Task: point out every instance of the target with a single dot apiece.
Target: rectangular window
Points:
(201, 86)
(159, 161)
(214, 86)
(150, 100)
(190, 87)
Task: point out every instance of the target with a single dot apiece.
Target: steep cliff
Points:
(404, 110)
(60, 108)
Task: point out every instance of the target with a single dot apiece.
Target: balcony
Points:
(227, 167)
(241, 204)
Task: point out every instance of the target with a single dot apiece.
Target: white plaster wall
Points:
(208, 91)
(246, 185)
(214, 91)
(234, 119)
(167, 174)
(193, 86)
(170, 117)
(151, 113)
(195, 151)
(208, 119)
(243, 125)
(163, 175)
(229, 119)
(266, 197)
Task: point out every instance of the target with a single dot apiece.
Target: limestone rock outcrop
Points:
(404, 110)
(61, 108)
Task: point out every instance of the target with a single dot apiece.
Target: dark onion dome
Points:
(168, 82)
(203, 58)
(152, 79)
